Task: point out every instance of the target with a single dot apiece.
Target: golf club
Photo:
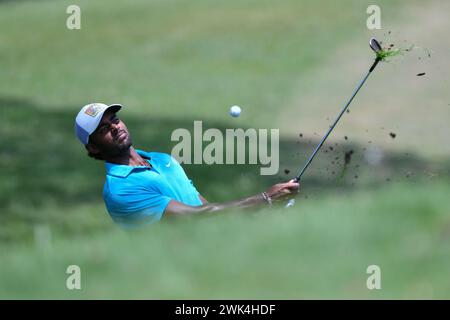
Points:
(375, 45)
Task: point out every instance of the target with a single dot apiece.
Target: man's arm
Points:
(203, 200)
(276, 192)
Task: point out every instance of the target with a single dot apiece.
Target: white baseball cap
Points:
(89, 118)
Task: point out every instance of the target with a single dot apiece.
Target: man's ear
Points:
(92, 148)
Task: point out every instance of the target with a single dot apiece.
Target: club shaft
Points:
(297, 178)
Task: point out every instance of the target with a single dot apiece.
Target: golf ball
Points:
(235, 111)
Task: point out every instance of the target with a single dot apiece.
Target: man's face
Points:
(111, 138)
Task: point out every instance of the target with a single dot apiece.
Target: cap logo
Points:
(93, 110)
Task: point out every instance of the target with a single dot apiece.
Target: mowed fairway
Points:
(289, 65)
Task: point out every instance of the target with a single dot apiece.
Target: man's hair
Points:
(95, 156)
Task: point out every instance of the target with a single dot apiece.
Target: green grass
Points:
(173, 62)
(387, 53)
(314, 250)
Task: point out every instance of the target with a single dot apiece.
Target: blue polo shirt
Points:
(140, 194)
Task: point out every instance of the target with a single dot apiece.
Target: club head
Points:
(375, 45)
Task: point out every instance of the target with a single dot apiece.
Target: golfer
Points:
(143, 187)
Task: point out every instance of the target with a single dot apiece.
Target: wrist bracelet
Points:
(267, 198)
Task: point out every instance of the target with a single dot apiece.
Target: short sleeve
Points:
(136, 207)
(191, 183)
(193, 186)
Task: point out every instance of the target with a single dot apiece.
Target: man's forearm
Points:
(242, 203)
(178, 209)
(276, 192)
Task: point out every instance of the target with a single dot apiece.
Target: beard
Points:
(116, 149)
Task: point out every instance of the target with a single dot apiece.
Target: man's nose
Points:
(114, 127)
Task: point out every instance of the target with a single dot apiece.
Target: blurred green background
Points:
(290, 65)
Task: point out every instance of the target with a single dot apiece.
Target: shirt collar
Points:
(121, 170)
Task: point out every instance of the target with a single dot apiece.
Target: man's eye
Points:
(116, 120)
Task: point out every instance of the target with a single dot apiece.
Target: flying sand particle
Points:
(348, 157)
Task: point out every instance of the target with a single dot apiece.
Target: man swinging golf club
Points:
(144, 187)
